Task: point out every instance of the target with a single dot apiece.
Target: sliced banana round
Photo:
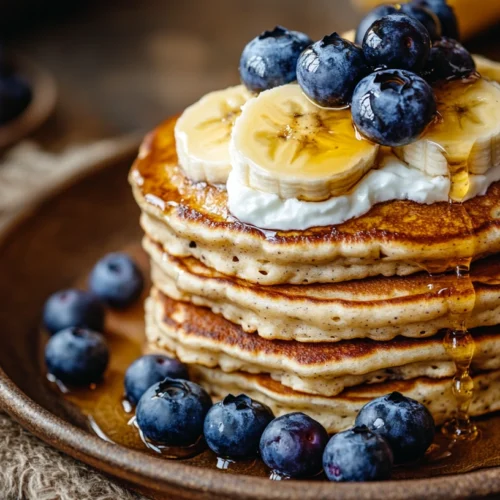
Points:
(203, 131)
(284, 144)
(487, 68)
(465, 139)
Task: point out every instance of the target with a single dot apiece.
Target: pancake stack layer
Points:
(325, 319)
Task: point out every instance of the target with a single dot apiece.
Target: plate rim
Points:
(152, 473)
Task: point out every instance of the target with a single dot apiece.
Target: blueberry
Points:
(448, 60)
(331, 56)
(73, 308)
(397, 41)
(270, 60)
(172, 412)
(426, 16)
(293, 445)
(406, 424)
(357, 454)
(77, 356)
(116, 280)
(15, 96)
(445, 14)
(234, 426)
(374, 15)
(148, 370)
(393, 107)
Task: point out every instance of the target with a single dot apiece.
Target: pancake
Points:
(338, 413)
(198, 336)
(378, 308)
(397, 237)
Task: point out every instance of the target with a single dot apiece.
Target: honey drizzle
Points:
(460, 179)
(460, 346)
(458, 341)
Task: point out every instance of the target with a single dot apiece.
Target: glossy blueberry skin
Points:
(233, 427)
(406, 424)
(445, 14)
(77, 356)
(426, 16)
(448, 60)
(116, 280)
(15, 96)
(172, 412)
(73, 308)
(357, 454)
(393, 107)
(374, 15)
(270, 60)
(293, 445)
(148, 370)
(397, 41)
(331, 56)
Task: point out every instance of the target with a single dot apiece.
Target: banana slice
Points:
(487, 68)
(465, 139)
(284, 144)
(203, 131)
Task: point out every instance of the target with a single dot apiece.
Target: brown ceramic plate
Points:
(48, 249)
(41, 106)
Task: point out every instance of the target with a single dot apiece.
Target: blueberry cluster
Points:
(173, 411)
(385, 76)
(15, 92)
(77, 353)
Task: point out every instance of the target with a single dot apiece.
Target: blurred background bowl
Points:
(44, 94)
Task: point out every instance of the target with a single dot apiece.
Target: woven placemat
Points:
(30, 469)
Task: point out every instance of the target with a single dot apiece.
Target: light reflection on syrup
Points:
(238, 466)
(277, 476)
(127, 406)
(60, 385)
(224, 463)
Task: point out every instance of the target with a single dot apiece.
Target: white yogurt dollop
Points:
(394, 180)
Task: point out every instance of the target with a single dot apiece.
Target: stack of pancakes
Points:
(322, 320)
